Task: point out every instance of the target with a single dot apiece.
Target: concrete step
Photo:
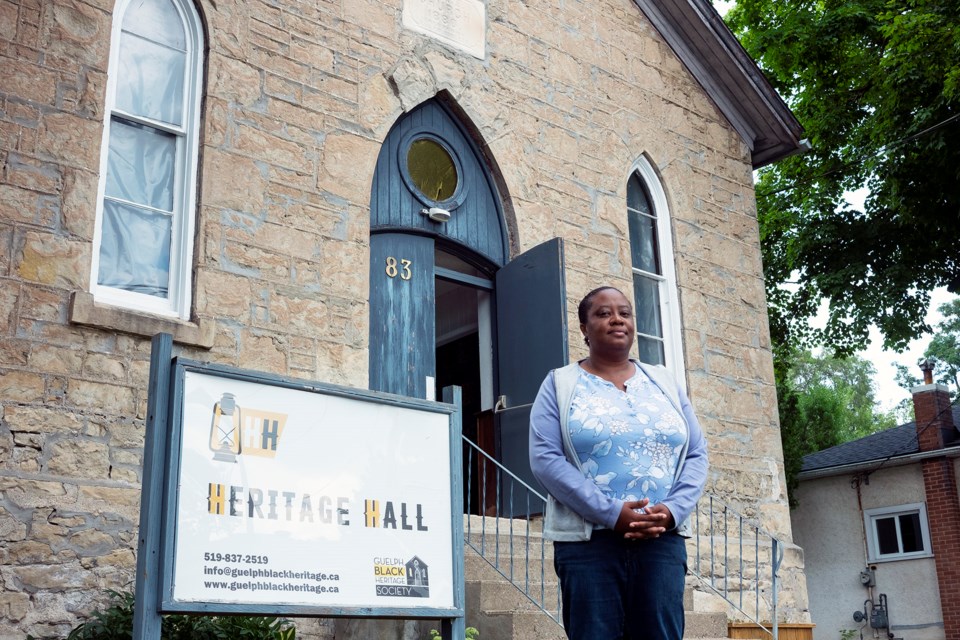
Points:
(522, 536)
(473, 523)
(532, 569)
(518, 625)
(533, 544)
(705, 625)
(527, 625)
(490, 595)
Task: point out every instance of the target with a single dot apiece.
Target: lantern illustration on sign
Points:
(225, 429)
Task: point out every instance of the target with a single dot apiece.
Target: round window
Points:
(432, 170)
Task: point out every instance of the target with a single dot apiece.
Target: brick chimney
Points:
(933, 413)
(936, 430)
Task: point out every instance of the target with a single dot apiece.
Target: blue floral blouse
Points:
(629, 442)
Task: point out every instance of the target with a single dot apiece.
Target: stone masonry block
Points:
(124, 501)
(43, 303)
(103, 367)
(232, 182)
(21, 386)
(274, 150)
(224, 293)
(14, 606)
(32, 174)
(413, 82)
(30, 81)
(19, 204)
(8, 21)
(80, 32)
(75, 140)
(379, 104)
(347, 164)
(234, 81)
(79, 459)
(102, 397)
(59, 576)
(53, 260)
(264, 353)
(45, 420)
(79, 194)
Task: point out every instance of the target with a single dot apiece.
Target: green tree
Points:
(944, 350)
(876, 85)
(825, 401)
(944, 347)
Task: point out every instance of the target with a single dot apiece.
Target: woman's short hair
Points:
(583, 309)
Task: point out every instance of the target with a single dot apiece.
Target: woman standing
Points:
(617, 446)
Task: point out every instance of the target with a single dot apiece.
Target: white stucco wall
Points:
(828, 524)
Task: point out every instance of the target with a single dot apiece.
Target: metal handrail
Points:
(506, 506)
(499, 504)
(712, 510)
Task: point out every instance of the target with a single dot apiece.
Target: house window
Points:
(143, 241)
(654, 283)
(897, 533)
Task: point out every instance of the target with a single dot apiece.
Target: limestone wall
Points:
(298, 98)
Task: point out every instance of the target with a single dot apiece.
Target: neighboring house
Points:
(879, 521)
(396, 195)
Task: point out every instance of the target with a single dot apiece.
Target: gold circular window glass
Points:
(432, 170)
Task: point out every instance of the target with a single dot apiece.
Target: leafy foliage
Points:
(876, 85)
(115, 622)
(825, 401)
(470, 633)
(944, 350)
(944, 347)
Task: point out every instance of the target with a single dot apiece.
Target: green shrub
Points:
(116, 623)
(470, 633)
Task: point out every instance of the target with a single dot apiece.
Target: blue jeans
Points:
(616, 589)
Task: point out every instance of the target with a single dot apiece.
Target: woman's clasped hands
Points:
(638, 521)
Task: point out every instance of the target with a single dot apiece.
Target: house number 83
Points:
(401, 268)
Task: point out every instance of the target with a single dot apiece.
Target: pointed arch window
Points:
(654, 281)
(143, 240)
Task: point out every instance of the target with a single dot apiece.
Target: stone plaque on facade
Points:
(461, 24)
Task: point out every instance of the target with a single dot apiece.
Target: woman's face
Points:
(609, 326)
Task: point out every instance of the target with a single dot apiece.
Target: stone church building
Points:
(395, 195)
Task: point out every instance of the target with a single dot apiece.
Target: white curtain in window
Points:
(645, 255)
(145, 268)
(145, 145)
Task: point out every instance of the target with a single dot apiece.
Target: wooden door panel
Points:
(531, 340)
(402, 296)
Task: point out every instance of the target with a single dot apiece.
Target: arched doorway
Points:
(447, 306)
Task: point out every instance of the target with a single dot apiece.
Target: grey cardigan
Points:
(562, 523)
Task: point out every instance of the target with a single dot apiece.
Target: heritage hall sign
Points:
(284, 497)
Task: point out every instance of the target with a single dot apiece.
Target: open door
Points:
(531, 340)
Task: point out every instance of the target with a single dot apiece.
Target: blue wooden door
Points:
(529, 293)
(402, 343)
(531, 340)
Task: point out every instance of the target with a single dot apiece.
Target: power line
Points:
(919, 432)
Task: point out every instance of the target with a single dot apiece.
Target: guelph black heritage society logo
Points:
(394, 577)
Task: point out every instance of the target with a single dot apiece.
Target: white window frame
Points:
(179, 295)
(870, 517)
(669, 296)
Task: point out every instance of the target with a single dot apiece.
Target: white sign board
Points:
(291, 497)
